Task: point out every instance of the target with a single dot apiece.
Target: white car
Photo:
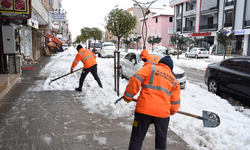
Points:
(107, 51)
(173, 51)
(105, 44)
(159, 49)
(197, 52)
(132, 62)
(65, 46)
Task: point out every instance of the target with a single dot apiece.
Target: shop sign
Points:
(15, 6)
(33, 21)
(58, 17)
(199, 37)
(202, 34)
(239, 32)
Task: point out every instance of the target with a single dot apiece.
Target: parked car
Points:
(230, 76)
(132, 62)
(197, 52)
(174, 51)
(65, 46)
(95, 46)
(107, 51)
(159, 49)
(105, 44)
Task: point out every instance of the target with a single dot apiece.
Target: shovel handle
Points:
(191, 115)
(65, 75)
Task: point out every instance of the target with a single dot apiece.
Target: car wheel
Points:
(213, 87)
(196, 56)
(121, 73)
(186, 55)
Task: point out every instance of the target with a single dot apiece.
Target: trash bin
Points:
(18, 64)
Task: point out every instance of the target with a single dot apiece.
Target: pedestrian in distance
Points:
(149, 59)
(158, 99)
(88, 58)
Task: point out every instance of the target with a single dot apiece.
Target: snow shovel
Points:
(210, 119)
(64, 75)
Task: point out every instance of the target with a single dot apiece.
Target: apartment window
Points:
(179, 9)
(156, 31)
(156, 20)
(189, 6)
(228, 19)
(229, 2)
(170, 19)
(210, 20)
(192, 7)
(170, 31)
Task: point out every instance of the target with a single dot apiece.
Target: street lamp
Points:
(144, 20)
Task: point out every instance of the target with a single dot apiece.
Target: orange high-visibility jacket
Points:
(87, 57)
(151, 59)
(160, 91)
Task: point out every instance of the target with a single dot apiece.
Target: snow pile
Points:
(232, 133)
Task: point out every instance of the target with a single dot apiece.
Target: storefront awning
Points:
(54, 39)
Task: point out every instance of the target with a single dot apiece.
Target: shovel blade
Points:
(210, 119)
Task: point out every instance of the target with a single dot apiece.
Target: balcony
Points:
(188, 28)
(229, 24)
(247, 23)
(209, 26)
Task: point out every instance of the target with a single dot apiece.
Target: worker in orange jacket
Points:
(88, 58)
(159, 98)
(149, 59)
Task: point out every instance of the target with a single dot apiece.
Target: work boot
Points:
(78, 89)
(99, 83)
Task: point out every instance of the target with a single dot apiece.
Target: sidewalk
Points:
(58, 120)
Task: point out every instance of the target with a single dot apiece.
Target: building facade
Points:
(159, 22)
(201, 19)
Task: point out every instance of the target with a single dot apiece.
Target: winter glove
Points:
(127, 100)
(172, 112)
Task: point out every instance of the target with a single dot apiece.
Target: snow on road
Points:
(232, 134)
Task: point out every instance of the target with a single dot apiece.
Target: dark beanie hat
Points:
(167, 61)
(79, 47)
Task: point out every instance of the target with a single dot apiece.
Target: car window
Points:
(203, 49)
(132, 57)
(107, 45)
(246, 66)
(128, 56)
(96, 45)
(232, 64)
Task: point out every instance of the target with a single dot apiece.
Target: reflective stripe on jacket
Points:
(86, 56)
(160, 91)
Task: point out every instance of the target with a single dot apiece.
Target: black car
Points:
(230, 76)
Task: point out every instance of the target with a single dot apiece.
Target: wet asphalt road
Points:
(58, 120)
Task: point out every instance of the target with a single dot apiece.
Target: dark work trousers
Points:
(140, 127)
(93, 70)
